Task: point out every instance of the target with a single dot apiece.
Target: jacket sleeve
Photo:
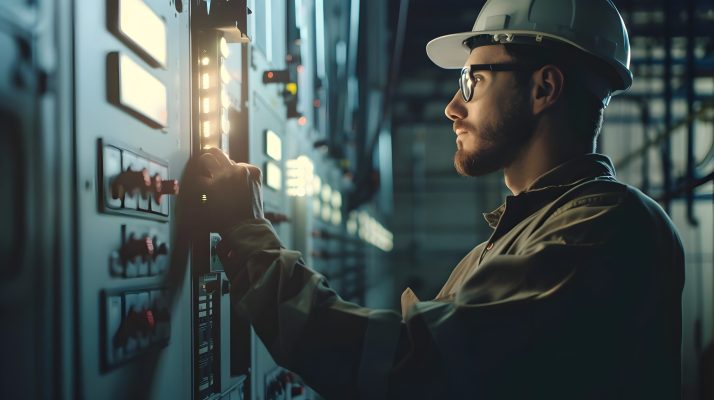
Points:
(340, 349)
(533, 302)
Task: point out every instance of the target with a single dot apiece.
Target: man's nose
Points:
(456, 109)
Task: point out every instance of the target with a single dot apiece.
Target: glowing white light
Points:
(326, 193)
(206, 105)
(206, 128)
(273, 145)
(225, 123)
(143, 27)
(299, 176)
(326, 212)
(225, 50)
(205, 61)
(371, 231)
(336, 200)
(316, 185)
(316, 206)
(351, 226)
(205, 81)
(225, 75)
(273, 176)
(336, 217)
(225, 98)
(142, 91)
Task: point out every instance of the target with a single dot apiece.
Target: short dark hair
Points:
(585, 111)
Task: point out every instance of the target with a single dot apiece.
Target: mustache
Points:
(462, 126)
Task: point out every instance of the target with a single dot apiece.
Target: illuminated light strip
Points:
(336, 200)
(372, 232)
(326, 193)
(351, 226)
(316, 206)
(336, 217)
(225, 50)
(206, 129)
(225, 123)
(205, 81)
(316, 185)
(225, 98)
(225, 75)
(299, 180)
(326, 213)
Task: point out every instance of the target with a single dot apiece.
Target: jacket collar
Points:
(553, 183)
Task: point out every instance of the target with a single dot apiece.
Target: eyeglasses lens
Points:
(465, 84)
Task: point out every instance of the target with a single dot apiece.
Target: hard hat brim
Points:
(450, 51)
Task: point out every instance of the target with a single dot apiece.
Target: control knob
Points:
(130, 181)
(133, 248)
(162, 187)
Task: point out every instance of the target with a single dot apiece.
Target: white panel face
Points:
(141, 91)
(141, 25)
(273, 176)
(273, 145)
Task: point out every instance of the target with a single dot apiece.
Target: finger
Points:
(221, 158)
(254, 172)
(209, 164)
(195, 168)
(255, 180)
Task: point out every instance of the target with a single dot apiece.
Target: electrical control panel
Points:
(107, 102)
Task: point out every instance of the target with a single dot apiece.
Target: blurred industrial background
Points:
(660, 136)
(338, 103)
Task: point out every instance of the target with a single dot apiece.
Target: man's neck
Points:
(544, 152)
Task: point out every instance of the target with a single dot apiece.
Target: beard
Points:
(506, 137)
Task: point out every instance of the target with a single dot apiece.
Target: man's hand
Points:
(219, 193)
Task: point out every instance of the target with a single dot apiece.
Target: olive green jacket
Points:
(576, 295)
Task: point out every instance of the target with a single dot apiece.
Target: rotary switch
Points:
(133, 248)
(146, 321)
(135, 324)
(160, 248)
(163, 187)
(130, 181)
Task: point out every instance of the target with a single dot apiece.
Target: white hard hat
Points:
(593, 26)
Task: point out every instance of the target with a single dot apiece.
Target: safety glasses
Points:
(467, 82)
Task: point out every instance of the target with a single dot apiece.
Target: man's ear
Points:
(548, 85)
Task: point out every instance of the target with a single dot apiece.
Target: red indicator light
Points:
(302, 121)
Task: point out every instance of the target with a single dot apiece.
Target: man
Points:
(576, 295)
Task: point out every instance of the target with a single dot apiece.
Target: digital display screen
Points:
(140, 91)
(138, 23)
